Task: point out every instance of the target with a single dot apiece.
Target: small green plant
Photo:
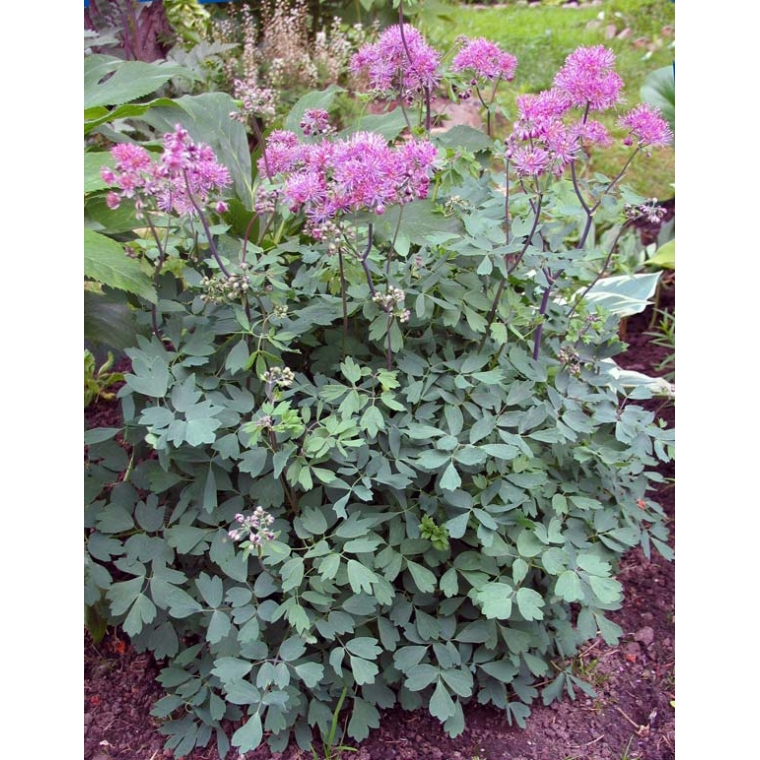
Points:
(665, 335)
(97, 380)
(329, 748)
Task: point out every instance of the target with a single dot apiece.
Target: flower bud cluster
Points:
(571, 361)
(232, 288)
(392, 302)
(282, 376)
(256, 527)
(648, 210)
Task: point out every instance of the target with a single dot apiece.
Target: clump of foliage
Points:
(379, 452)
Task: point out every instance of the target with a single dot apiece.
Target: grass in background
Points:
(542, 36)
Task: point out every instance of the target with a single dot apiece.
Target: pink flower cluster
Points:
(485, 59)
(359, 173)
(402, 65)
(544, 140)
(186, 174)
(588, 79)
(646, 125)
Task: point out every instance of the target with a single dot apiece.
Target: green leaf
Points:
(310, 673)
(360, 578)
(237, 359)
(530, 602)
(450, 479)
(420, 676)
(624, 295)
(106, 262)
(130, 79)
(363, 717)
(463, 136)
(363, 670)
(364, 646)
(219, 626)
(372, 421)
(211, 589)
(389, 125)
(108, 320)
(664, 257)
(606, 590)
(449, 583)
(424, 579)
(229, 669)
(441, 704)
(569, 587)
(143, 611)
(495, 600)
(249, 735)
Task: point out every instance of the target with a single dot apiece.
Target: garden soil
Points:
(631, 717)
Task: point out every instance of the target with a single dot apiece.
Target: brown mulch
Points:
(631, 716)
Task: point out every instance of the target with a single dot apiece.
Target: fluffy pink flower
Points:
(184, 173)
(530, 161)
(588, 78)
(535, 112)
(591, 132)
(391, 69)
(359, 173)
(485, 59)
(646, 124)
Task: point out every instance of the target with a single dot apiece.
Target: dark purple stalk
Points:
(204, 222)
(260, 140)
(602, 270)
(159, 266)
(503, 283)
(365, 265)
(542, 312)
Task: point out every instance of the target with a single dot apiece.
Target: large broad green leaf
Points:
(659, 89)
(463, 136)
(207, 119)
(657, 386)
(249, 735)
(665, 256)
(111, 81)
(106, 262)
(93, 163)
(389, 125)
(624, 295)
(108, 320)
(94, 117)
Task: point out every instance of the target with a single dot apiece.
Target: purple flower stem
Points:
(602, 271)
(204, 222)
(159, 266)
(503, 283)
(542, 312)
(365, 265)
(388, 351)
(343, 292)
(260, 141)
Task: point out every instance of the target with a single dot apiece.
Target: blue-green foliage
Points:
(441, 497)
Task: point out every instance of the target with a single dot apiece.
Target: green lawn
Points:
(542, 36)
